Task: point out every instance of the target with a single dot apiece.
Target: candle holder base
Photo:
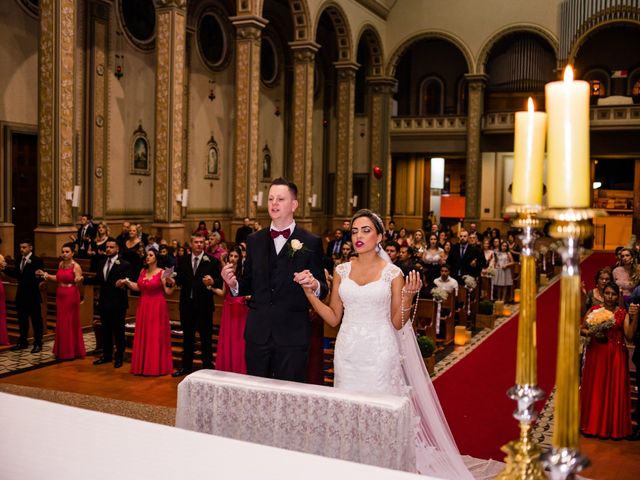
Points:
(526, 215)
(564, 463)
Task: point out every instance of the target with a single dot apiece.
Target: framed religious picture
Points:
(213, 159)
(266, 163)
(140, 152)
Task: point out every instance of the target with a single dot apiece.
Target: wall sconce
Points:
(354, 201)
(362, 133)
(325, 123)
(258, 198)
(74, 196)
(183, 197)
(212, 93)
(119, 70)
(277, 112)
(313, 200)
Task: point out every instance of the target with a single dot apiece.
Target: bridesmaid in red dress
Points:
(605, 400)
(69, 342)
(4, 336)
(230, 356)
(151, 354)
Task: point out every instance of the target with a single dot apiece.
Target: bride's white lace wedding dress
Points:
(372, 356)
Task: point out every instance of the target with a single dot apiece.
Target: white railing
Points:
(442, 124)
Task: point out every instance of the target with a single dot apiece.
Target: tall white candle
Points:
(528, 146)
(569, 174)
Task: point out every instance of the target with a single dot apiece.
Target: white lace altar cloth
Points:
(365, 428)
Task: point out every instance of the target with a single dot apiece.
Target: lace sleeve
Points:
(391, 272)
(343, 269)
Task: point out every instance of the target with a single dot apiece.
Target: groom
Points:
(278, 328)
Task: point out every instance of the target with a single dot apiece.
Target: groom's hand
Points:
(229, 276)
(306, 280)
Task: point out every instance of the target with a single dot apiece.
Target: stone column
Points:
(169, 118)
(248, 41)
(345, 113)
(303, 74)
(55, 124)
(476, 84)
(380, 91)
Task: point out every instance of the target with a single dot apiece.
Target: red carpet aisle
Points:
(473, 391)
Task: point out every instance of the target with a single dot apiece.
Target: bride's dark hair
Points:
(375, 219)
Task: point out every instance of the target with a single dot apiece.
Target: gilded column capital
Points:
(476, 80)
(179, 4)
(346, 69)
(381, 85)
(304, 51)
(248, 27)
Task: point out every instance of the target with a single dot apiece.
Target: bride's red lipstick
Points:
(359, 243)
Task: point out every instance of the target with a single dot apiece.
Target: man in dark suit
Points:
(244, 231)
(465, 259)
(198, 274)
(28, 297)
(278, 330)
(334, 246)
(112, 303)
(86, 233)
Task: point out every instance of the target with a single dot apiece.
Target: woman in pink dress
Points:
(4, 336)
(151, 354)
(69, 342)
(230, 356)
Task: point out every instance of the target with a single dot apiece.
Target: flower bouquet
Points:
(469, 282)
(490, 272)
(439, 294)
(599, 321)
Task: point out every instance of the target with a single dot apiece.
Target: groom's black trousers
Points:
(277, 361)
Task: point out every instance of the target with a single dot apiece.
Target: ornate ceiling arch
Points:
(587, 32)
(369, 34)
(428, 34)
(342, 29)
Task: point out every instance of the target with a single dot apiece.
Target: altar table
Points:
(371, 429)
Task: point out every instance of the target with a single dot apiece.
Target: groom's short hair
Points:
(293, 188)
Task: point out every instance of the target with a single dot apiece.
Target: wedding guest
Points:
(346, 230)
(433, 257)
(86, 233)
(201, 229)
(605, 397)
(244, 231)
(635, 300)
(514, 247)
(488, 269)
(627, 275)
(418, 243)
(181, 252)
(151, 354)
(334, 246)
(175, 244)
(257, 226)
(446, 282)
(69, 342)
(152, 244)
(217, 227)
(216, 250)
(231, 346)
(406, 261)
(198, 274)
(98, 244)
(144, 237)
(446, 248)
(166, 259)
(4, 336)
(390, 234)
(442, 238)
(495, 244)
(345, 251)
(392, 249)
(112, 303)
(130, 250)
(464, 259)
(595, 296)
(28, 297)
(402, 238)
(124, 234)
(503, 264)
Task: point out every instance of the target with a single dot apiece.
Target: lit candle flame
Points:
(530, 106)
(568, 74)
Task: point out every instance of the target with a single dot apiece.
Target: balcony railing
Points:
(453, 124)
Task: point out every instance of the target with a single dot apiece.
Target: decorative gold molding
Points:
(248, 40)
(55, 105)
(345, 112)
(169, 111)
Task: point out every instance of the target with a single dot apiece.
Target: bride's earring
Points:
(378, 247)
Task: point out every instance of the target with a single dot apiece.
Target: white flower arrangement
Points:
(543, 250)
(439, 294)
(469, 282)
(491, 271)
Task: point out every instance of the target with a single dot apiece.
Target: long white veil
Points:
(436, 450)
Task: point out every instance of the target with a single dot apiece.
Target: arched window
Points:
(598, 79)
(431, 96)
(634, 85)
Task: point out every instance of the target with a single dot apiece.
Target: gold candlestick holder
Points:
(564, 460)
(523, 455)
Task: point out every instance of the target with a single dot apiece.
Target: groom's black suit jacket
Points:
(278, 307)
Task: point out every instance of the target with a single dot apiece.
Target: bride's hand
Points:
(306, 280)
(412, 283)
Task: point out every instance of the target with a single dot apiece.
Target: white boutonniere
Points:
(205, 258)
(295, 246)
(116, 262)
(28, 261)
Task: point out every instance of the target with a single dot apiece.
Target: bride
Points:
(376, 349)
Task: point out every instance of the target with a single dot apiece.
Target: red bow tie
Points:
(285, 233)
